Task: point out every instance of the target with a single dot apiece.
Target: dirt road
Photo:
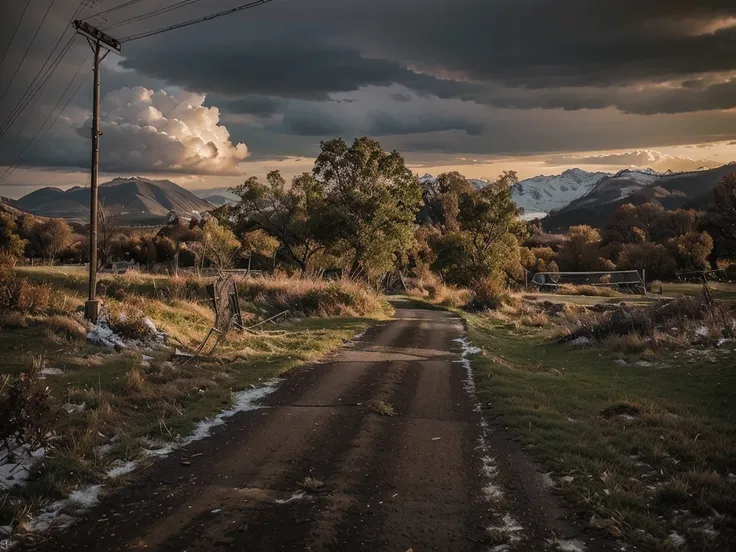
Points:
(429, 478)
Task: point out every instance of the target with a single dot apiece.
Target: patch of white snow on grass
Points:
(509, 527)
(121, 468)
(242, 402)
(301, 495)
(571, 545)
(16, 466)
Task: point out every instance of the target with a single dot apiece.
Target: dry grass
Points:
(135, 381)
(431, 288)
(311, 484)
(628, 344)
(383, 408)
(309, 297)
(591, 291)
(12, 320)
(64, 328)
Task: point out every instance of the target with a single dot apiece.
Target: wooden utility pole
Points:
(97, 41)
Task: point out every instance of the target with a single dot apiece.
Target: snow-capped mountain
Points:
(542, 194)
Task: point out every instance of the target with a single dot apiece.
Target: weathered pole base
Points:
(92, 310)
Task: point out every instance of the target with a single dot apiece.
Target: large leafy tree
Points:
(369, 203)
(477, 231)
(55, 235)
(287, 214)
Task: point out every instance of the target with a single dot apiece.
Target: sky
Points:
(478, 86)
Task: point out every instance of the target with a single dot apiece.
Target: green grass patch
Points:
(650, 449)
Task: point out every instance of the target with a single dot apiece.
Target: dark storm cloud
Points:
(295, 50)
(308, 121)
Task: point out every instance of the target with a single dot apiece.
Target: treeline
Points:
(362, 213)
(647, 237)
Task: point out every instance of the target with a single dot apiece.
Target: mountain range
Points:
(687, 190)
(142, 200)
(573, 197)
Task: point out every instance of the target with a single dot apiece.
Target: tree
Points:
(288, 215)
(692, 250)
(720, 220)
(258, 242)
(580, 252)
(55, 236)
(12, 245)
(652, 257)
(370, 201)
(219, 245)
(478, 232)
(108, 231)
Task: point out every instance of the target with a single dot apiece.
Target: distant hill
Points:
(217, 196)
(141, 200)
(672, 191)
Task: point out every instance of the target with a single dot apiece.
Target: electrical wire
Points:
(115, 8)
(223, 13)
(25, 102)
(154, 13)
(25, 55)
(15, 32)
(30, 90)
(15, 164)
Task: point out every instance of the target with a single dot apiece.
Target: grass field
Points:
(649, 450)
(137, 396)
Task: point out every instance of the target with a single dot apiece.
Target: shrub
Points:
(128, 321)
(27, 413)
(489, 294)
(11, 320)
(17, 294)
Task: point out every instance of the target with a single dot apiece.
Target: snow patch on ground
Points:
(571, 545)
(242, 402)
(16, 466)
(61, 513)
(121, 468)
(510, 528)
(49, 372)
(492, 492)
(301, 495)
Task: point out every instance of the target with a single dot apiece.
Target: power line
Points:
(45, 15)
(154, 32)
(17, 26)
(154, 13)
(12, 168)
(30, 90)
(25, 101)
(115, 8)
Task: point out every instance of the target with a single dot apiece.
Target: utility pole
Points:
(97, 41)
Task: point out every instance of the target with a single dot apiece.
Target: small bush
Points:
(27, 413)
(10, 320)
(488, 294)
(629, 344)
(128, 321)
(17, 294)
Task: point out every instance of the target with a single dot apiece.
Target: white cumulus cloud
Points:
(151, 131)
